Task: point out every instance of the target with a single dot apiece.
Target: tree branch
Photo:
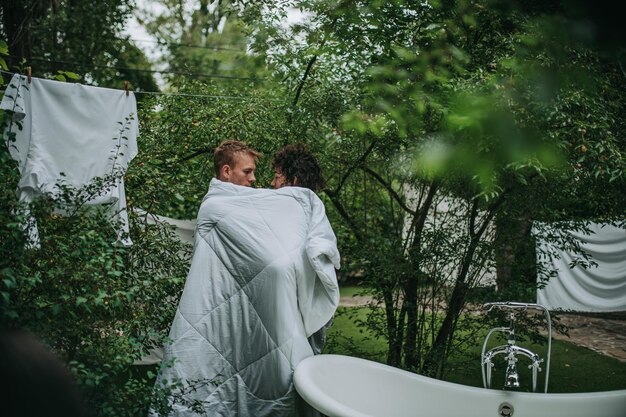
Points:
(387, 187)
(344, 214)
(302, 81)
(306, 75)
(196, 153)
(354, 166)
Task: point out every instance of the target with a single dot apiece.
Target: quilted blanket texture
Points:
(262, 280)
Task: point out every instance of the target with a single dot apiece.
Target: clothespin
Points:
(29, 72)
(127, 87)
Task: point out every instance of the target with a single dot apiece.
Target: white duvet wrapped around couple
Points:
(262, 280)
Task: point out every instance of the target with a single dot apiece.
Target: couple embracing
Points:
(260, 293)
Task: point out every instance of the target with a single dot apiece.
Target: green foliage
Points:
(4, 50)
(172, 174)
(205, 40)
(444, 129)
(98, 304)
(488, 107)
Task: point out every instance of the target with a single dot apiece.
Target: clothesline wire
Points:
(185, 45)
(159, 93)
(188, 74)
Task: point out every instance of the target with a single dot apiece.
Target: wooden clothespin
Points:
(29, 74)
(127, 87)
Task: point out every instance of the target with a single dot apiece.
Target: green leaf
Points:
(71, 75)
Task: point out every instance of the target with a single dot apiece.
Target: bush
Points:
(99, 305)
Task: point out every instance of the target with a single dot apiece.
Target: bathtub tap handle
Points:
(536, 360)
(487, 368)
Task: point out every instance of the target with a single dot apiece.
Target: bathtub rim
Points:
(325, 403)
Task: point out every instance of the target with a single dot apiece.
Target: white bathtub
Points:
(342, 386)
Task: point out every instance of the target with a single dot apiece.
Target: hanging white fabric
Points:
(600, 288)
(71, 133)
(184, 229)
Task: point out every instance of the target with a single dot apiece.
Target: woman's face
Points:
(279, 180)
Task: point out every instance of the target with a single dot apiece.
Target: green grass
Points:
(350, 291)
(572, 368)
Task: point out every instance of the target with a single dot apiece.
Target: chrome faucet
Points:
(511, 349)
(512, 377)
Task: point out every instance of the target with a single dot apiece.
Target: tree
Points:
(79, 36)
(203, 41)
(98, 305)
(473, 98)
(172, 174)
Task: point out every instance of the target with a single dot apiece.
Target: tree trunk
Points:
(19, 18)
(513, 248)
(394, 330)
(433, 364)
(411, 357)
(16, 20)
(410, 348)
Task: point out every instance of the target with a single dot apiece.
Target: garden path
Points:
(603, 334)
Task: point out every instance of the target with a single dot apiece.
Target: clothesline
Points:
(159, 93)
(149, 71)
(186, 45)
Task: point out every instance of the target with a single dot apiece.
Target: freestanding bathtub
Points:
(343, 386)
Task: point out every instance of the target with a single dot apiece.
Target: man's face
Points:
(242, 171)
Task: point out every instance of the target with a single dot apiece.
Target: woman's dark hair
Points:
(299, 167)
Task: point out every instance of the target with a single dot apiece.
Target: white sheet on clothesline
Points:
(600, 288)
(71, 133)
(184, 229)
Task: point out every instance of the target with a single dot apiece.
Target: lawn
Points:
(572, 368)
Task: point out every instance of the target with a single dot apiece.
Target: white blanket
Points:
(262, 280)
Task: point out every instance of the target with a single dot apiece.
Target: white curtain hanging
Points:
(184, 229)
(600, 288)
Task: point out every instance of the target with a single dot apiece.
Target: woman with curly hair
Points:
(295, 166)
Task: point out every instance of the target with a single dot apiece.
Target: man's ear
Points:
(225, 172)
